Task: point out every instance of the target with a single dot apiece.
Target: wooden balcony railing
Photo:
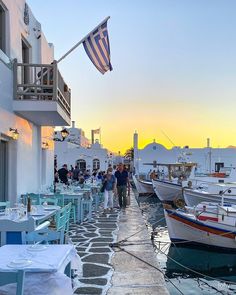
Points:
(41, 82)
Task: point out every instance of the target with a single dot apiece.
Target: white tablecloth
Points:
(45, 275)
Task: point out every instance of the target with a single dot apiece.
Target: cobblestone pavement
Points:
(92, 240)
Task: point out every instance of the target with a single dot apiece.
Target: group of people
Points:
(115, 182)
(74, 174)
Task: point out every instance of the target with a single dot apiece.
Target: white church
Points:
(77, 150)
(208, 159)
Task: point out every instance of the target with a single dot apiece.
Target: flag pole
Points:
(82, 40)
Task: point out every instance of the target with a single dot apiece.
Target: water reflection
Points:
(193, 270)
(181, 260)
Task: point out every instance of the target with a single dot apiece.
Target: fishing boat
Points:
(210, 192)
(208, 224)
(144, 187)
(168, 184)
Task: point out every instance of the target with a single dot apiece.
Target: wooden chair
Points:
(73, 208)
(33, 197)
(86, 208)
(68, 208)
(47, 235)
(20, 227)
(13, 277)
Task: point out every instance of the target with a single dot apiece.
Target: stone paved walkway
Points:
(92, 240)
(120, 274)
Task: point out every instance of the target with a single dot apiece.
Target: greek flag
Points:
(97, 48)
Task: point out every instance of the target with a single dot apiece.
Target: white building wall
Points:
(24, 155)
(204, 157)
(69, 153)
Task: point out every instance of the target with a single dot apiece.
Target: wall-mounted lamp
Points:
(64, 133)
(14, 133)
(45, 145)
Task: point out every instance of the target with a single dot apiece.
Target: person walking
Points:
(109, 182)
(122, 181)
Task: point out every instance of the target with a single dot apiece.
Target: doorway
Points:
(2, 29)
(3, 171)
(25, 59)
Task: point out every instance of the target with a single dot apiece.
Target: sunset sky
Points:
(174, 69)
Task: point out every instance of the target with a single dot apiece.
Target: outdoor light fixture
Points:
(14, 133)
(45, 145)
(64, 134)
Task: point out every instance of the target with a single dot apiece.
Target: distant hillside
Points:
(231, 147)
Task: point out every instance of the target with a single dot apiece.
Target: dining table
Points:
(39, 213)
(47, 267)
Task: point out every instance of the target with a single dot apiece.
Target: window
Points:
(81, 164)
(96, 164)
(218, 165)
(2, 29)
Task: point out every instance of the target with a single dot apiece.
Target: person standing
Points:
(75, 174)
(122, 181)
(63, 174)
(109, 182)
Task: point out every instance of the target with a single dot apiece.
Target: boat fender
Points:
(179, 203)
(189, 184)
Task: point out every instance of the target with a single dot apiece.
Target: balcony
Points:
(41, 95)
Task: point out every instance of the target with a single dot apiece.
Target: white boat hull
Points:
(143, 187)
(194, 197)
(167, 191)
(184, 229)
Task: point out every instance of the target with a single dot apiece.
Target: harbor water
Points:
(188, 270)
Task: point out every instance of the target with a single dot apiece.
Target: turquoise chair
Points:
(60, 199)
(13, 277)
(33, 197)
(67, 217)
(73, 209)
(8, 226)
(86, 208)
(4, 205)
(47, 235)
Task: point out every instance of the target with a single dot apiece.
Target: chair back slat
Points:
(7, 225)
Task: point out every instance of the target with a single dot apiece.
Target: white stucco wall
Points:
(68, 153)
(27, 162)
